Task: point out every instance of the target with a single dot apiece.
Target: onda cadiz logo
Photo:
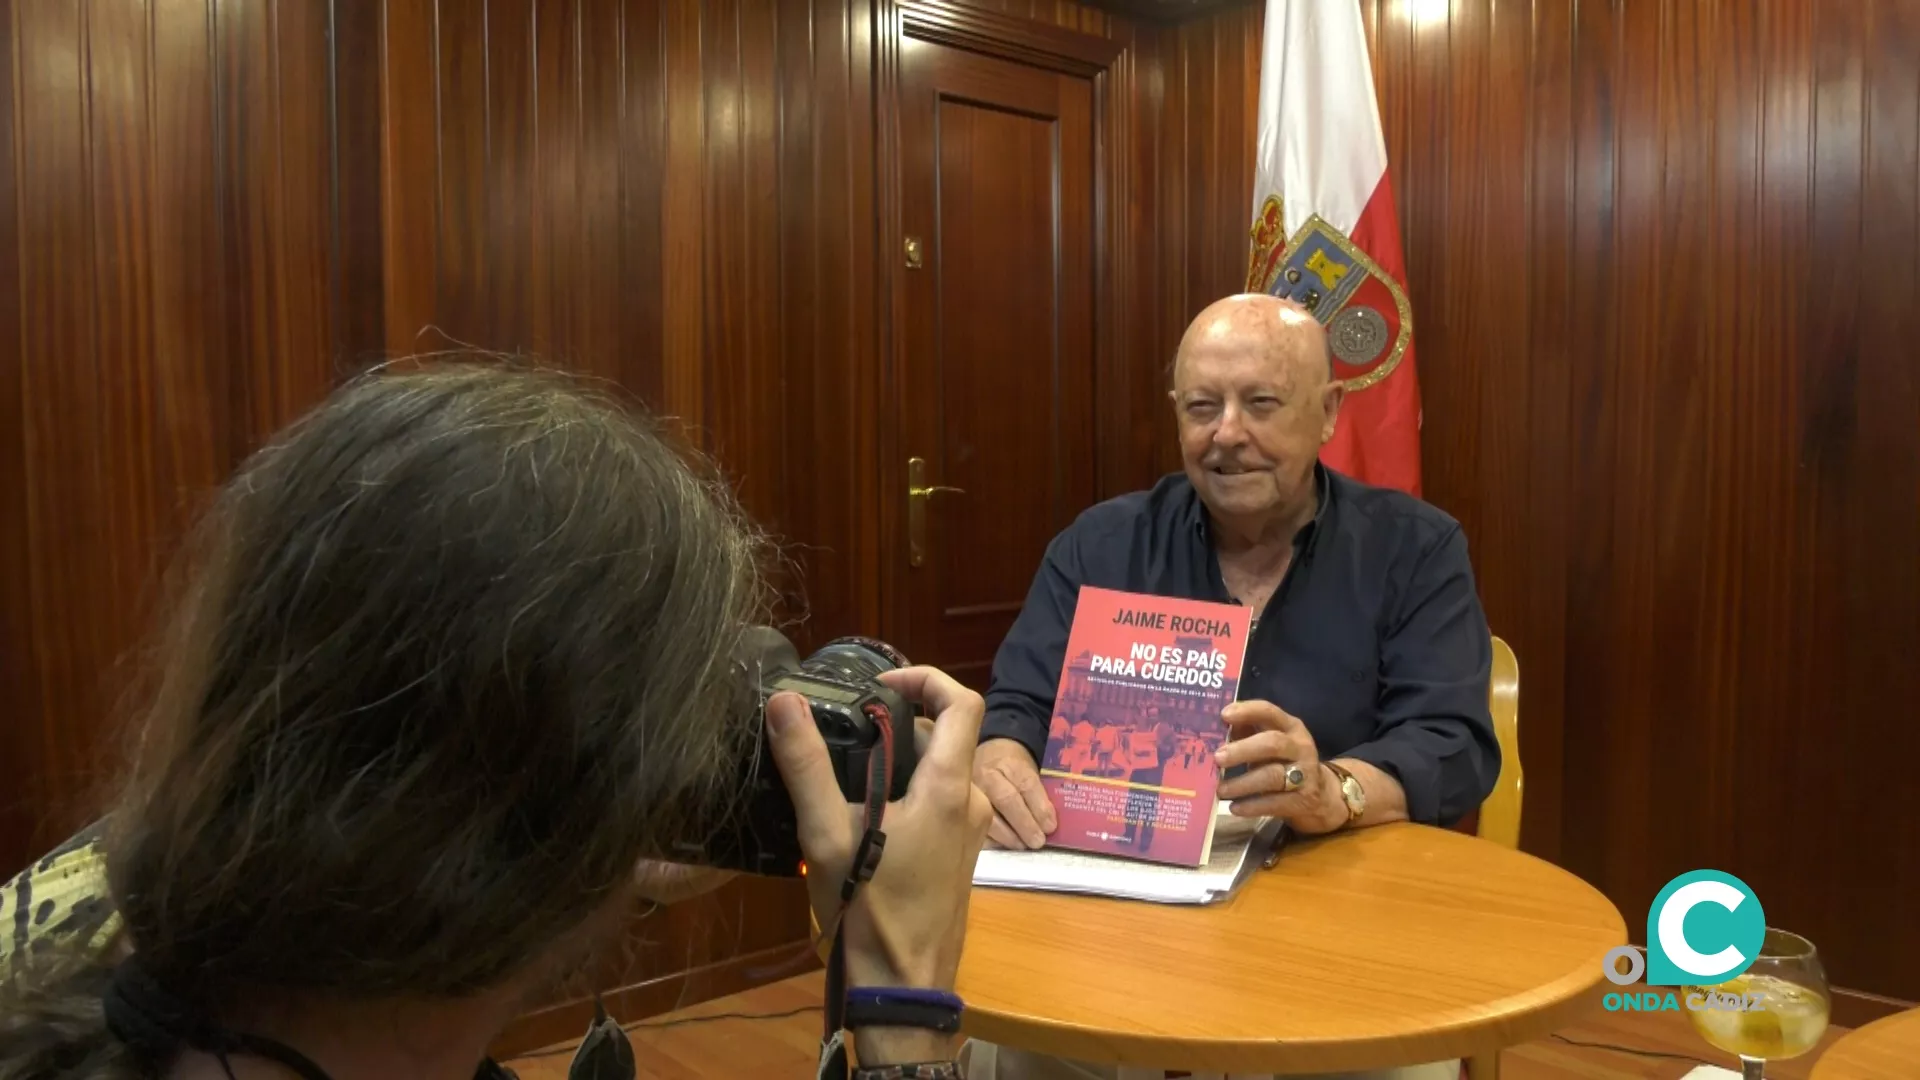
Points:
(1704, 928)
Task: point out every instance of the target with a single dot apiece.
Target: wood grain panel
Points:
(358, 284)
(683, 204)
(511, 40)
(1124, 391)
(74, 612)
(1656, 247)
(306, 354)
(1213, 164)
(830, 296)
(1023, 40)
(806, 305)
(596, 292)
(1537, 548)
(1857, 472)
(169, 290)
(191, 442)
(1086, 18)
(1171, 232)
(728, 98)
(640, 73)
(411, 161)
(458, 38)
(1164, 11)
(754, 439)
(119, 157)
(191, 415)
(20, 652)
(1884, 512)
(554, 211)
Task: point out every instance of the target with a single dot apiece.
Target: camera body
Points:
(843, 692)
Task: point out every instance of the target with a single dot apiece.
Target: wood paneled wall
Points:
(211, 210)
(168, 280)
(1663, 255)
(1212, 107)
(1664, 260)
(673, 194)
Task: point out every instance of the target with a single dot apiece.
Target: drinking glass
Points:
(1784, 1021)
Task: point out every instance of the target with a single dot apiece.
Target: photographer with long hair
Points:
(453, 657)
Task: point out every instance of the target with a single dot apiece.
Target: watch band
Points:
(900, 1006)
(1356, 803)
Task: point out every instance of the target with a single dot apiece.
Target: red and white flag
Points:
(1325, 232)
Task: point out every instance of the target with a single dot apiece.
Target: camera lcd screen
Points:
(824, 691)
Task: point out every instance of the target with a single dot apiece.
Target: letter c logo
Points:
(1705, 927)
(1673, 919)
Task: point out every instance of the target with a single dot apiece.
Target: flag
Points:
(1325, 232)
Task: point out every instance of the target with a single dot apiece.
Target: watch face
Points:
(1356, 795)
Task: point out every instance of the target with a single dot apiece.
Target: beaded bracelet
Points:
(925, 1070)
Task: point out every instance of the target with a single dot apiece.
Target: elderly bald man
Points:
(1369, 657)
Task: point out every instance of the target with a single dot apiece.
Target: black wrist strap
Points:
(833, 1048)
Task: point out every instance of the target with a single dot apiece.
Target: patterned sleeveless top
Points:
(62, 902)
(59, 901)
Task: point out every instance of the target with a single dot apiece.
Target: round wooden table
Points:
(1391, 945)
(1887, 1047)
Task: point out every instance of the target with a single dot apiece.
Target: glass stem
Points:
(1752, 1068)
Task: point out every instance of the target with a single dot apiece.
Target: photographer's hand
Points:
(906, 926)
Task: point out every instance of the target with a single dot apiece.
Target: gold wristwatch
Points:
(1351, 792)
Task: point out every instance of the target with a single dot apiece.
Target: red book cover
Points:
(1129, 762)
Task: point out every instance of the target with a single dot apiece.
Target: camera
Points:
(849, 704)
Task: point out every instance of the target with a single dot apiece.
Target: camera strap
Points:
(866, 859)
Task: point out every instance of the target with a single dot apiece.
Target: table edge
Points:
(1826, 1066)
(1461, 1037)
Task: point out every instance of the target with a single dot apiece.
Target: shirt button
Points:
(1359, 675)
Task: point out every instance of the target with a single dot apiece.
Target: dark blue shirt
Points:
(1375, 638)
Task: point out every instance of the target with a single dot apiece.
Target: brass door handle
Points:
(918, 492)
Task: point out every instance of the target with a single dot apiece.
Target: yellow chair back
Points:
(1500, 813)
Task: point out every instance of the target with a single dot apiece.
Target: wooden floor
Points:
(671, 1048)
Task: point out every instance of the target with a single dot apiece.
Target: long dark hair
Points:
(452, 656)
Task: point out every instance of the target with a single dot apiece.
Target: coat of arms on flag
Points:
(1368, 319)
(1325, 232)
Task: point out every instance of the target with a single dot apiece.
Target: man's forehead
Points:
(1252, 338)
(1235, 358)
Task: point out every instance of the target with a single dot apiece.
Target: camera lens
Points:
(853, 660)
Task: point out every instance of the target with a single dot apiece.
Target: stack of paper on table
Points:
(1238, 846)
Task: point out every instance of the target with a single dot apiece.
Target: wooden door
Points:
(996, 375)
